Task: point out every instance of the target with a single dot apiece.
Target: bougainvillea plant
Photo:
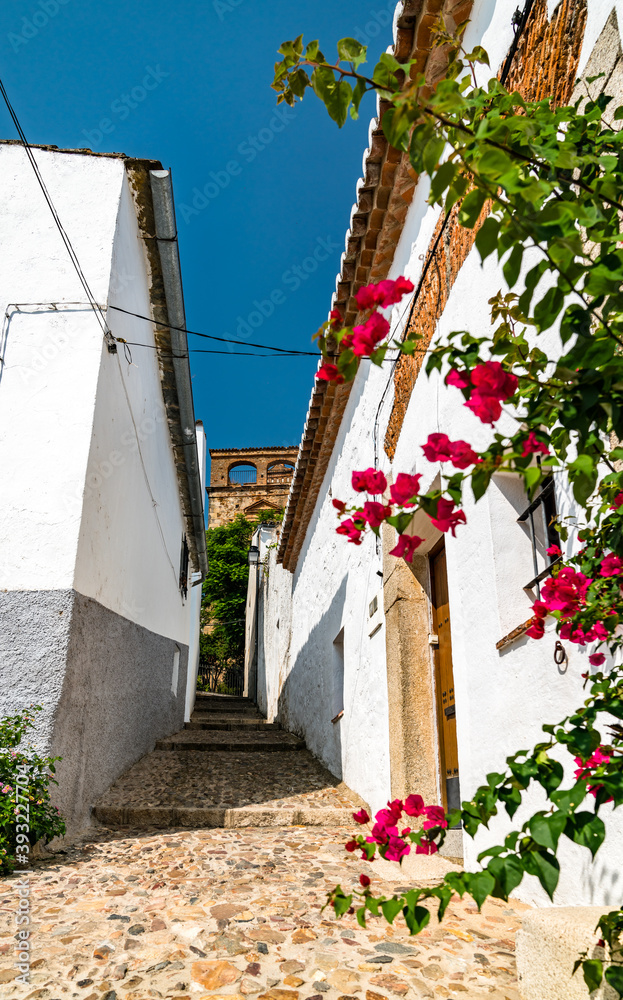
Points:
(26, 812)
(542, 185)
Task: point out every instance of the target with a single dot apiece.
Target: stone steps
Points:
(203, 721)
(231, 768)
(242, 740)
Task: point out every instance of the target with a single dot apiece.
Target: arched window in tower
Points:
(242, 474)
(279, 472)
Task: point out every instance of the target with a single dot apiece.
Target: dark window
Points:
(184, 569)
(540, 518)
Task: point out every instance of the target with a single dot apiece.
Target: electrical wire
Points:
(210, 336)
(66, 240)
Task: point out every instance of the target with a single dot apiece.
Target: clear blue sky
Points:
(290, 184)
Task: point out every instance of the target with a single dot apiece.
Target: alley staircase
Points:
(228, 767)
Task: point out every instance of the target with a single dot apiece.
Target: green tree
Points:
(225, 589)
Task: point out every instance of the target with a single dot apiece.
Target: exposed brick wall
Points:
(227, 499)
(545, 64)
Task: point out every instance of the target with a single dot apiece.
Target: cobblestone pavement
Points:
(247, 783)
(216, 913)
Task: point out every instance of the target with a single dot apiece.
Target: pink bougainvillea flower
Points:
(491, 385)
(447, 518)
(566, 592)
(491, 379)
(617, 502)
(405, 489)
(536, 629)
(394, 291)
(369, 334)
(406, 546)
(487, 408)
(396, 849)
(611, 566)
(554, 551)
(384, 293)
(350, 529)
(367, 297)
(329, 373)
(351, 846)
(540, 609)
(596, 659)
(375, 513)
(435, 816)
(364, 881)
(335, 317)
(361, 817)
(414, 805)
(532, 445)
(369, 481)
(437, 448)
(459, 379)
(339, 505)
(586, 768)
(395, 809)
(462, 455)
(427, 847)
(600, 631)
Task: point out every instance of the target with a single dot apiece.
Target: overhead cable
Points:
(112, 347)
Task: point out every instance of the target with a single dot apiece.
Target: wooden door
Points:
(444, 682)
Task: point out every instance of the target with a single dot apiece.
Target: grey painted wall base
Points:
(109, 688)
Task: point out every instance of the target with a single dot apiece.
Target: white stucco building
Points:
(419, 678)
(102, 466)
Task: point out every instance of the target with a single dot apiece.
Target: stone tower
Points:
(246, 480)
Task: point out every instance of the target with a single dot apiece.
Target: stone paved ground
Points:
(215, 913)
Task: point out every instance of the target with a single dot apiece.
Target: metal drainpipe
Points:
(166, 236)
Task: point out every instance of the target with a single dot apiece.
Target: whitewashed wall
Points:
(132, 525)
(502, 698)
(46, 414)
(94, 627)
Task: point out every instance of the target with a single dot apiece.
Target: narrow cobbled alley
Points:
(231, 905)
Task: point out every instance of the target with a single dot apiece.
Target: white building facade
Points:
(419, 679)
(101, 489)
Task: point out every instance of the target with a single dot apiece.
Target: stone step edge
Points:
(231, 727)
(245, 746)
(227, 818)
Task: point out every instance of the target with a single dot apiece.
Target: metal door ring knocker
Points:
(559, 653)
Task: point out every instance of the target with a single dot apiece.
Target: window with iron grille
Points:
(540, 518)
(184, 561)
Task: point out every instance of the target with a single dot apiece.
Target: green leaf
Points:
(487, 237)
(350, 50)
(433, 152)
(391, 908)
(614, 974)
(358, 93)
(400, 522)
(361, 916)
(593, 972)
(546, 830)
(586, 829)
(546, 311)
(340, 902)
(512, 265)
(546, 868)
(338, 100)
(508, 872)
(471, 208)
(416, 918)
(299, 81)
(480, 886)
(396, 126)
